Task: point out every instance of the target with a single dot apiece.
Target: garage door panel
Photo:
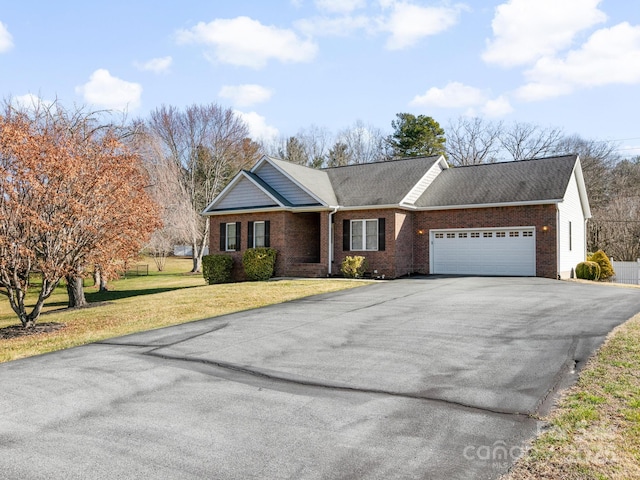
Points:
(489, 252)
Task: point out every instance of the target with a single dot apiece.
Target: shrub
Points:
(606, 269)
(259, 263)
(354, 267)
(217, 268)
(588, 270)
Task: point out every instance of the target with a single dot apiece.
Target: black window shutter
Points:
(267, 233)
(250, 235)
(223, 236)
(238, 245)
(381, 243)
(346, 235)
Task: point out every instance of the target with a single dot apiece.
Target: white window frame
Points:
(256, 236)
(363, 241)
(234, 237)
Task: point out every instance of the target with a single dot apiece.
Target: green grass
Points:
(595, 428)
(146, 302)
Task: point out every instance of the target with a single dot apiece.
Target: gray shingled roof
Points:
(522, 181)
(316, 181)
(383, 183)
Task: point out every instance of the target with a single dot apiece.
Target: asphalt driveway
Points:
(436, 378)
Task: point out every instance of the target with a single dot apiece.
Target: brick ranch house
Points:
(408, 216)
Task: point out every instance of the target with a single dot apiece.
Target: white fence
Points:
(627, 272)
(186, 250)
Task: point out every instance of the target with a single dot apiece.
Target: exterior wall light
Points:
(545, 228)
(420, 232)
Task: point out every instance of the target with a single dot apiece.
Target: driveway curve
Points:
(434, 377)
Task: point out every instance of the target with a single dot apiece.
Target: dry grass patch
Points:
(144, 303)
(594, 432)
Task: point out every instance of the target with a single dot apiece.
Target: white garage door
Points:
(509, 252)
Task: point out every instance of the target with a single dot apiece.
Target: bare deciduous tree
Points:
(597, 159)
(365, 143)
(472, 141)
(209, 145)
(523, 141)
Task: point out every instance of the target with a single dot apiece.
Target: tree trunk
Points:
(75, 290)
(196, 257)
(103, 284)
(197, 264)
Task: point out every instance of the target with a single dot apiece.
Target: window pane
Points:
(258, 234)
(231, 236)
(372, 234)
(356, 235)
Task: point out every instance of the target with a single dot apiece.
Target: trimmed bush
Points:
(217, 268)
(259, 263)
(606, 269)
(354, 267)
(588, 270)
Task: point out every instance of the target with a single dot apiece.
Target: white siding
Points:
(244, 194)
(424, 182)
(571, 251)
(284, 186)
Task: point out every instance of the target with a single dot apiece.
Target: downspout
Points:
(330, 240)
(586, 234)
(557, 234)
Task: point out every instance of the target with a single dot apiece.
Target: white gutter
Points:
(264, 209)
(488, 205)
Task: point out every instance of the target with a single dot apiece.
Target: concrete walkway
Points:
(419, 378)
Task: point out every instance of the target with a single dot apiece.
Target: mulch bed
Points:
(15, 331)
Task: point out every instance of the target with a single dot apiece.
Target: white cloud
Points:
(458, 95)
(30, 101)
(258, 127)
(246, 42)
(409, 23)
(156, 65)
(610, 56)
(497, 107)
(526, 30)
(6, 40)
(245, 95)
(110, 92)
(333, 26)
(453, 95)
(340, 6)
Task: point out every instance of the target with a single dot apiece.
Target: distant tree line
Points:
(81, 194)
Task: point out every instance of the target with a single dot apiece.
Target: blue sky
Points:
(290, 64)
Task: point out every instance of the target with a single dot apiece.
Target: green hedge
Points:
(588, 270)
(354, 267)
(259, 263)
(606, 269)
(217, 268)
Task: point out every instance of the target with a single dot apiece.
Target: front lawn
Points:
(145, 302)
(595, 429)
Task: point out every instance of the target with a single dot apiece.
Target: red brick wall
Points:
(404, 233)
(384, 262)
(534, 215)
(294, 236)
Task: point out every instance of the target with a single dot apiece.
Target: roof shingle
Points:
(382, 183)
(508, 182)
